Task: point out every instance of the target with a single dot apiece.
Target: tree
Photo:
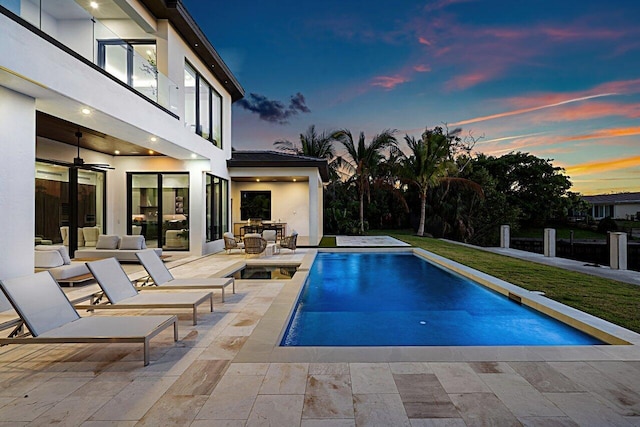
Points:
(430, 162)
(530, 183)
(362, 159)
(313, 144)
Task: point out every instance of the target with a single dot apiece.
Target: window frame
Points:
(198, 124)
(128, 44)
(221, 205)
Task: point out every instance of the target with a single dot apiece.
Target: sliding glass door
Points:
(158, 206)
(68, 200)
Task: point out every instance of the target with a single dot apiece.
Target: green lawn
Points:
(616, 302)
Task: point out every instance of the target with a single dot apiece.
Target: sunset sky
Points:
(558, 79)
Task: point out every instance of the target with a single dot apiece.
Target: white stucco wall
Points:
(289, 203)
(17, 178)
(179, 52)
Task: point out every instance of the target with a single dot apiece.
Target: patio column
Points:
(550, 242)
(618, 251)
(505, 236)
(17, 175)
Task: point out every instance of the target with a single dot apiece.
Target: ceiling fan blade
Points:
(100, 165)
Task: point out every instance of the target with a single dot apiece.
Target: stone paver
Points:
(197, 382)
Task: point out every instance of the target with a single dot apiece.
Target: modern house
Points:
(617, 206)
(115, 116)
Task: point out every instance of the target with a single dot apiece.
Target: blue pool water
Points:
(373, 299)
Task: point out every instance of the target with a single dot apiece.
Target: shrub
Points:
(607, 224)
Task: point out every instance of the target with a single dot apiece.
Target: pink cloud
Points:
(421, 68)
(579, 32)
(472, 49)
(572, 103)
(441, 4)
(467, 80)
(389, 82)
(606, 165)
(607, 133)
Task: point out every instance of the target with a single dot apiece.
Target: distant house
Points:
(617, 206)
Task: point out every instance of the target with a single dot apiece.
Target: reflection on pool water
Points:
(374, 299)
(251, 272)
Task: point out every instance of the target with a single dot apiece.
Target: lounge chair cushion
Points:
(62, 250)
(106, 241)
(65, 272)
(49, 310)
(47, 259)
(132, 242)
(120, 286)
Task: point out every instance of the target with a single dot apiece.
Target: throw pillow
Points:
(107, 241)
(131, 242)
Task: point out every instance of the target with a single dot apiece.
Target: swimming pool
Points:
(376, 299)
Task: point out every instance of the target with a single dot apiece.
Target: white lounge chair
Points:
(163, 279)
(123, 295)
(50, 317)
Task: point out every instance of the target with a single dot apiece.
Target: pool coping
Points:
(263, 344)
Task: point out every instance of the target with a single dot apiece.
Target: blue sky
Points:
(558, 79)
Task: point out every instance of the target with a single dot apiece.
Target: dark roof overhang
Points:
(275, 159)
(177, 14)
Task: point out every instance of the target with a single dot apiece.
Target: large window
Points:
(217, 207)
(255, 204)
(132, 61)
(203, 106)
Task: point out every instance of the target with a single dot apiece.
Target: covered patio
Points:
(278, 189)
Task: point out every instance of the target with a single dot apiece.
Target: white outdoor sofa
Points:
(124, 248)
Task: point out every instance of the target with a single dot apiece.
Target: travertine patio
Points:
(201, 381)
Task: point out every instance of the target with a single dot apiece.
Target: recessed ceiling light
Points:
(93, 4)
(86, 111)
(193, 155)
(117, 152)
(149, 52)
(294, 180)
(257, 180)
(151, 152)
(154, 139)
(196, 45)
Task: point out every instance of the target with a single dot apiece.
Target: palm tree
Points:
(313, 144)
(362, 160)
(429, 163)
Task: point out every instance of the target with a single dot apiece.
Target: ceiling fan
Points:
(79, 161)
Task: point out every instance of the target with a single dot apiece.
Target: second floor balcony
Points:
(106, 35)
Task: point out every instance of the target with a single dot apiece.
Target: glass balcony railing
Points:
(106, 37)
